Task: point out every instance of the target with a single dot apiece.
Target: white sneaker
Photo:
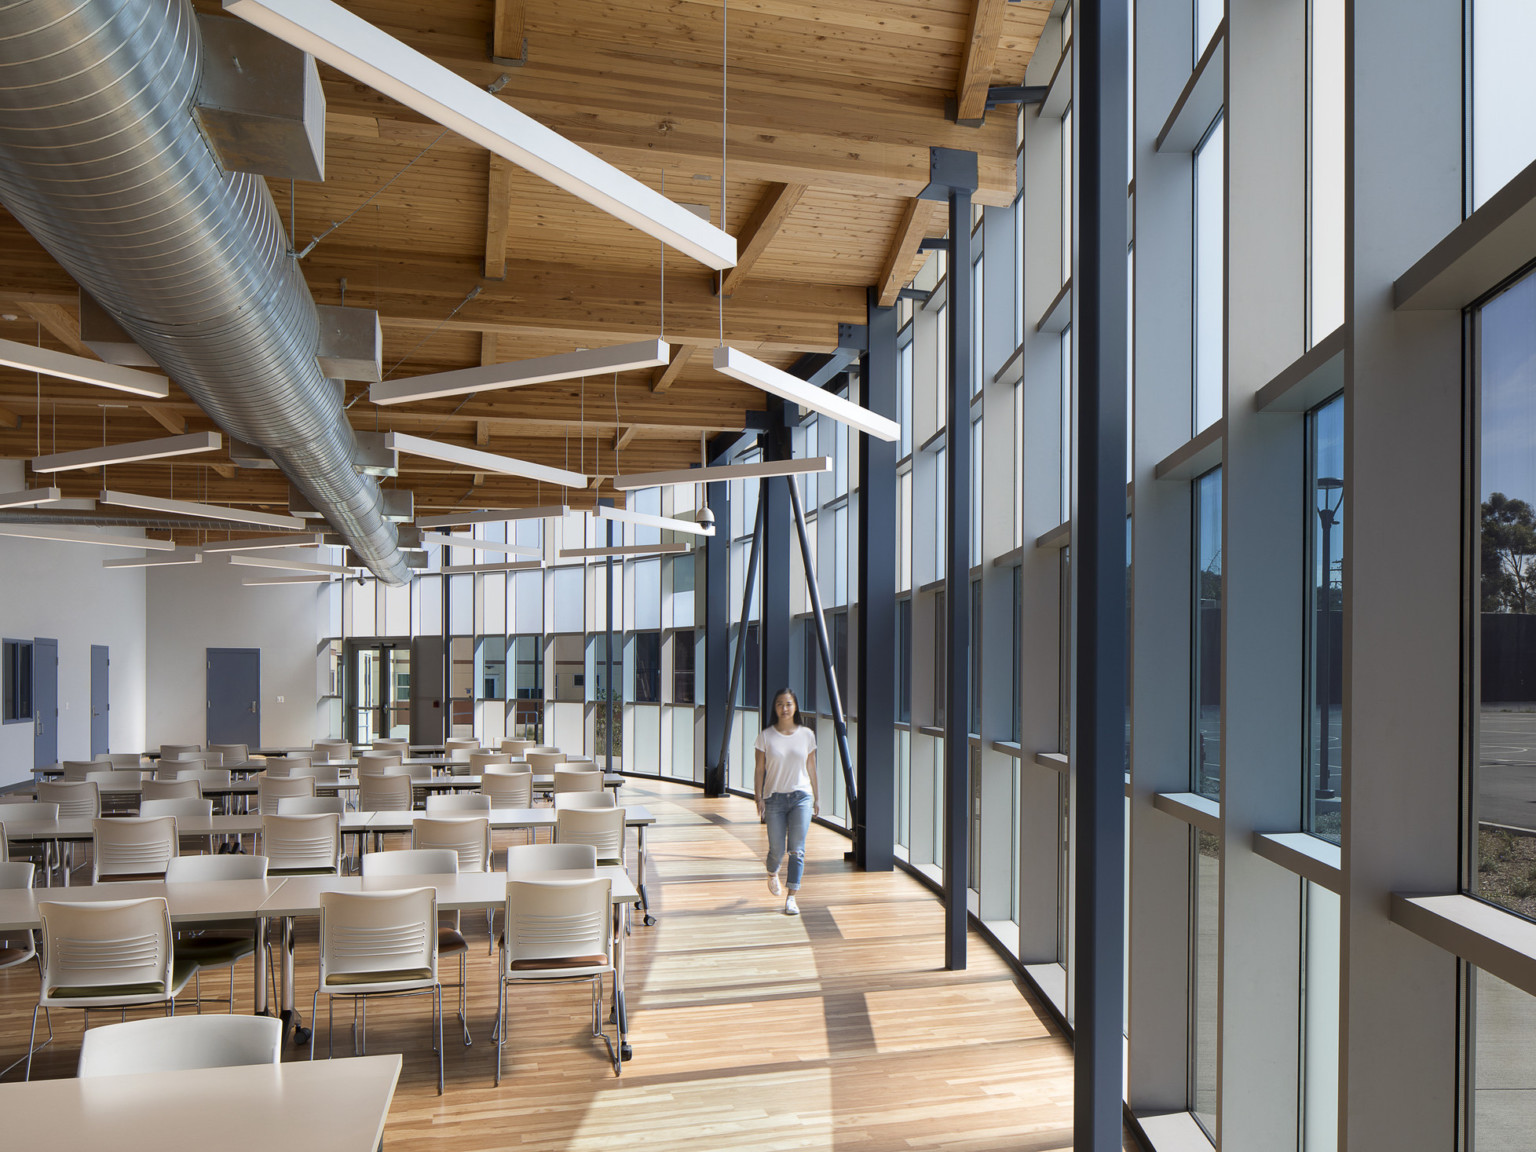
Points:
(773, 883)
(790, 907)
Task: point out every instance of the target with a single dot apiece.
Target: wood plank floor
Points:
(752, 1030)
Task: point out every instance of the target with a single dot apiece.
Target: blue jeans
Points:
(789, 818)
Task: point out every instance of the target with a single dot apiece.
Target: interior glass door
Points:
(381, 691)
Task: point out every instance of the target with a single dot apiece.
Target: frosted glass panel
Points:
(461, 605)
(1210, 233)
(565, 590)
(429, 605)
(1503, 93)
(647, 585)
(493, 592)
(528, 602)
(397, 610)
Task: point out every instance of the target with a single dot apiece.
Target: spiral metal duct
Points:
(102, 161)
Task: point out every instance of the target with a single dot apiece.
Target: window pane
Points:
(1325, 592)
(1503, 93)
(1503, 1066)
(1505, 782)
(682, 670)
(647, 667)
(978, 326)
(904, 395)
(1208, 14)
(1205, 737)
(1210, 229)
(1325, 122)
(1320, 1028)
(1204, 950)
(647, 586)
(566, 591)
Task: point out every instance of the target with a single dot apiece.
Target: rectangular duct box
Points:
(409, 536)
(260, 103)
(104, 336)
(399, 505)
(372, 458)
(413, 559)
(351, 343)
(243, 455)
(299, 505)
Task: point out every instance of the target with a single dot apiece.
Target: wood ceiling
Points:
(832, 107)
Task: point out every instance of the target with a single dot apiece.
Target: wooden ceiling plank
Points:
(980, 56)
(9, 419)
(664, 378)
(64, 324)
(765, 222)
(498, 216)
(902, 262)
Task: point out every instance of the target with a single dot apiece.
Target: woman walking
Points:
(785, 788)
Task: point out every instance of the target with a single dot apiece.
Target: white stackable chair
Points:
(384, 792)
(301, 845)
(27, 811)
(133, 847)
(600, 799)
(222, 944)
(517, 747)
(280, 766)
(78, 769)
(182, 788)
(170, 750)
(379, 761)
(460, 802)
(332, 750)
(310, 805)
(470, 837)
(106, 954)
(179, 1043)
(460, 748)
(120, 759)
(19, 947)
(557, 931)
(508, 789)
(603, 828)
(544, 759)
(269, 791)
(528, 859)
(379, 944)
(450, 941)
(231, 753)
(577, 780)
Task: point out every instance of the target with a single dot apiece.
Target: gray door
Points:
(234, 696)
(100, 699)
(45, 703)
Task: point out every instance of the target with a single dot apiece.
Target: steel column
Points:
(717, 625)
(608, 669)
(775, 618)
(828, 668)
(874, 814)
(1098, 564)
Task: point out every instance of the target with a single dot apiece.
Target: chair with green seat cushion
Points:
(307, 845)
(220, 944)
(450, 941)
(107, 954)
(133, 847)
(379, 944)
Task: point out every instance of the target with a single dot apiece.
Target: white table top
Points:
(501, 818)
(322, 1106)
(82, 829)
(464, 892)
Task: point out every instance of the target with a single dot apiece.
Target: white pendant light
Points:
(290, 565)
(129, 453)
(543, 370)
(267, 581)
(757, 470)
(509, 566)
(739, 366)
(479, 545)
(68, 367)
(623, 550)
(192, 508)
(646, 520)
(28, 497)
(84, 535)
(170, 559)
(477, 461)
(351, 45)
(492, 516)
(261, 543)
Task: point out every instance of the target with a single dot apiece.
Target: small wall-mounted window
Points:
(17, 677)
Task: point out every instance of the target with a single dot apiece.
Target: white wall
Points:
(202, 606)
(60, 592)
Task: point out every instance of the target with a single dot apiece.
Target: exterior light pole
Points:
(1330, 495)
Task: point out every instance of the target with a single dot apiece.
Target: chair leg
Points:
(501, 1019)
(32, 1040)
(437, 1000)
(313, 1003)
(464, 999)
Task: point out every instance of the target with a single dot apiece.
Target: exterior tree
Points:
(1508, 555)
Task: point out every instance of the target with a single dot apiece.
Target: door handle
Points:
(253, 707)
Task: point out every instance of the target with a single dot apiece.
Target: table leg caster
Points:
(625, 1051)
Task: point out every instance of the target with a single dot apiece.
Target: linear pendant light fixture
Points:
(260, 543)
(170, 559)
(28, 497)
(542, 370)
(130, 453)
(291, 565)
(84, 536)
(479, 545)
(739, 366)
(478, 461)
(267, 581)
(624, 550)
(68, 367)
(191, 508)
(509, 566)
(757, 470)
(492, 516)
(352, 45)
(645, 519)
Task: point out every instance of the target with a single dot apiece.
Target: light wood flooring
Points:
(752, 1030)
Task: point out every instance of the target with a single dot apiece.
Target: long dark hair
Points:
(790, 692)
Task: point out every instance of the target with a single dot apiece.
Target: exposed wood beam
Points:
(507, 30)
(904, 259)
(663, 378)
(9, 419)
(482, 433)
(487, 349)
(982, 36)
(498, 215)
(172, 422)
(622, 440)
(758, 232)
(64, 324)
(225, 470)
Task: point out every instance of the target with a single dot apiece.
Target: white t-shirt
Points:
(785, 758)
